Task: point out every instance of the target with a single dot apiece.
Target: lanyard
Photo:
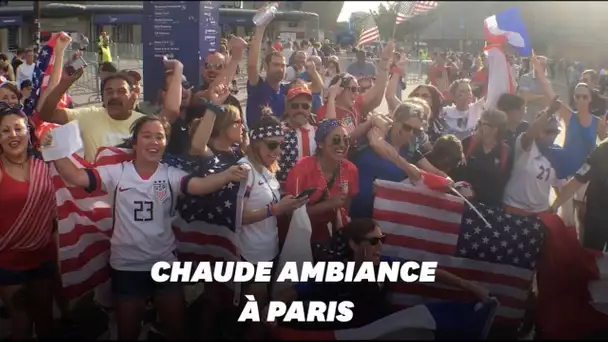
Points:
(274, 197)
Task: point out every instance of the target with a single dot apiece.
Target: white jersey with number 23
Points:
(143, 209)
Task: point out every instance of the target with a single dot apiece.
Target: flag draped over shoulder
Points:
(425, 225)
(369, 30)
(467, 320)
(572, 285)
(40, 78)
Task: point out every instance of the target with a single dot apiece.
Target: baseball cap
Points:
(298, 90)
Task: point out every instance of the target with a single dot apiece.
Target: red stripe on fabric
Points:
(426, 291)
(417, 198)
(305, 142)
(482, 276)
(97, 278)
(203, 239)
(77, 193)
(91, 251)
(416, 221)
(72, 237)
(419, 244)
(94, 214)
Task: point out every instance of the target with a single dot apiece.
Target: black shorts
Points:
(138, 285)
(18, 277)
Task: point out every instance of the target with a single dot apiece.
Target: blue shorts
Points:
(138, 285)
(18, 277)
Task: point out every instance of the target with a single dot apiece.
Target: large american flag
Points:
(410, 9)
(425, 225)
(40, 78)
(369, 30)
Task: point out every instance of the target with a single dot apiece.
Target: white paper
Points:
(66, 141)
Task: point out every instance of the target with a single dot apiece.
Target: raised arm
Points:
(564, 111)
(373, 97)
(199, 186)
(201, 136)
(391, 90)
(49, 111)
(173, 98)
(237, 48)
(60, 46)
(253, 75)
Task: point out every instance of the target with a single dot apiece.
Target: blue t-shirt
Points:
(371, 166)
(262, 95)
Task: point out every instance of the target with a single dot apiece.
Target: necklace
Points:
(341, 184)
(20, 165)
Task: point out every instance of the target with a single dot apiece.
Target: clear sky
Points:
(357, 6)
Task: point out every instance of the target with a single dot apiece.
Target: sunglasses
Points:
(216, 66)
(424, 96)
(581, 97)
(305, 106)
(237, 122)
(364, 89)
(337, 140)
(353, 89)
(374, 240)
(272, 145)
(415, 130)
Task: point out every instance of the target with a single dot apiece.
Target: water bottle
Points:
(265, 15)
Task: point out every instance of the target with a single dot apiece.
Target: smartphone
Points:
(554, 106)
(306, 192)
(78, 63)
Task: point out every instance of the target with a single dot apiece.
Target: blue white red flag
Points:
(508, 27)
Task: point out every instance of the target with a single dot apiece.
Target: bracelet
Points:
(272, 210)
(218, 110)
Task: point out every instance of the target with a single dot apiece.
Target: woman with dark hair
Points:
(10, 93)
(142, 233)
(487, 159)
(434, 99)
(360, 241)
(27, 237)
(334, 179)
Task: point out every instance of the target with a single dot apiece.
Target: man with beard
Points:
(215, 73)
(299, 133)
(297, 67)
(269, 92)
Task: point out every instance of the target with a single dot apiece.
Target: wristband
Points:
(218, 110)
(272, 211)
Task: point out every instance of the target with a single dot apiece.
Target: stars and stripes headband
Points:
(266, 132)
(5, 108)
(325, 127)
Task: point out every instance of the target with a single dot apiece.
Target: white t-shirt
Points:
(25, 72)
(143, 208)
(290, 74)
(287, 53)
(259, 241)
(462, 123)
(531, 179)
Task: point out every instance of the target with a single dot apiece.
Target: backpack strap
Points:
(471, 148)
(504, 155)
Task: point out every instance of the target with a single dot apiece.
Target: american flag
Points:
(410, 9)
(369, 30)
(298, 143)
(425, 225)
(206, 225)
(40, 78)
(570, 279)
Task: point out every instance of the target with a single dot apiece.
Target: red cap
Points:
(293, 92)
(277, 46)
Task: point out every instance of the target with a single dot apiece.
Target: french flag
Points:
(432, 321)
(508, 27)
(500, 29)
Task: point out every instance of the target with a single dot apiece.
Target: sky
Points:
(357, 6)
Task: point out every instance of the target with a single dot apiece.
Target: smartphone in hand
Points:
(306, 193)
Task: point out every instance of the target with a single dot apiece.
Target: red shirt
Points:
(349, 118)
(13, 197)
(307, 174)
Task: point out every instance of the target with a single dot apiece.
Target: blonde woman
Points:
(257, 235)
